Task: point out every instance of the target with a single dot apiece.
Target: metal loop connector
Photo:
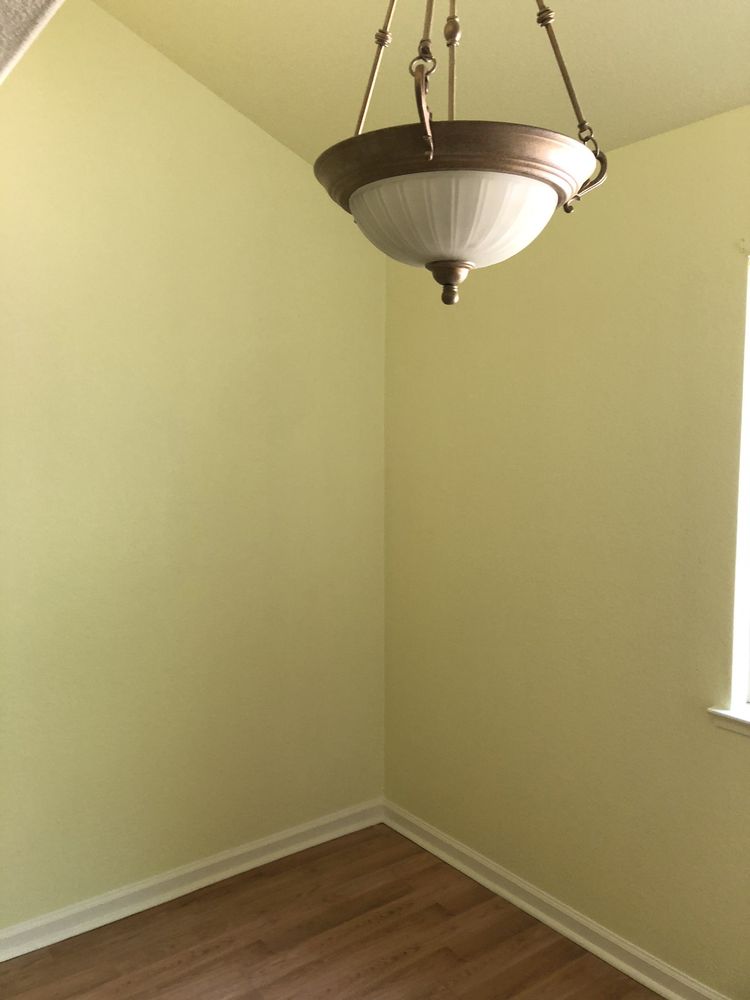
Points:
(430, 65)
(593, 145)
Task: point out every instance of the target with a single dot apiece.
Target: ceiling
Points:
(299, 68)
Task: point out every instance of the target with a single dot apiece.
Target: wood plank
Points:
(370, 916)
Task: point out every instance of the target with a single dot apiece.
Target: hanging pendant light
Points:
(452, 196)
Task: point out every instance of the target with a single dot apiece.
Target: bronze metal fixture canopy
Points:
(459, 145)
(408, 155)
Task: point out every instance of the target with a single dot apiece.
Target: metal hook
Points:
(591, 184)
(421, 87)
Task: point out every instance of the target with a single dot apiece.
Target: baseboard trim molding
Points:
(664, 980)
(90, 913)
(623, 955)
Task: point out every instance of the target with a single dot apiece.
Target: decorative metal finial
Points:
(450, 274)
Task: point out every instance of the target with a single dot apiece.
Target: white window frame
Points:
(737, 716)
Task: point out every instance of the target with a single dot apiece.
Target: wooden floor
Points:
(370, 916)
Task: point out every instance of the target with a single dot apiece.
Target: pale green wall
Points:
(561, 497)
(191, 377)
(191, 388)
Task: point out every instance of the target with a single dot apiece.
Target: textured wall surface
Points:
(561, 495)
(192, 465)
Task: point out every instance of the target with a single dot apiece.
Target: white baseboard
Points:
(623, 955)
(629, 958)
(85, 916)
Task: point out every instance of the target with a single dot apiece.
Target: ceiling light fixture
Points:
(452, 195)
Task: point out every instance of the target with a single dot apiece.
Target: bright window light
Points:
(741, 643)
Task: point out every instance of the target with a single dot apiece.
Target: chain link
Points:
(545, 19)
(452, 35)
(383, 39)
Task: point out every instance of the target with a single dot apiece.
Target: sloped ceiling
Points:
(298, 68)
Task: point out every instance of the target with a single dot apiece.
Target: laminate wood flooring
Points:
(369, 916)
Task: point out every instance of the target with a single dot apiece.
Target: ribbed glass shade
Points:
(478, 216)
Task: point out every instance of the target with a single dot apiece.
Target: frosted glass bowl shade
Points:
(478, 216)
(488, 191)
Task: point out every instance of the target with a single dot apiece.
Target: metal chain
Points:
(424, 54)
(545, 19)
(425, 46)
(383, 39)
(452, 34)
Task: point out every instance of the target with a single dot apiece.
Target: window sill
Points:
(736, 720)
